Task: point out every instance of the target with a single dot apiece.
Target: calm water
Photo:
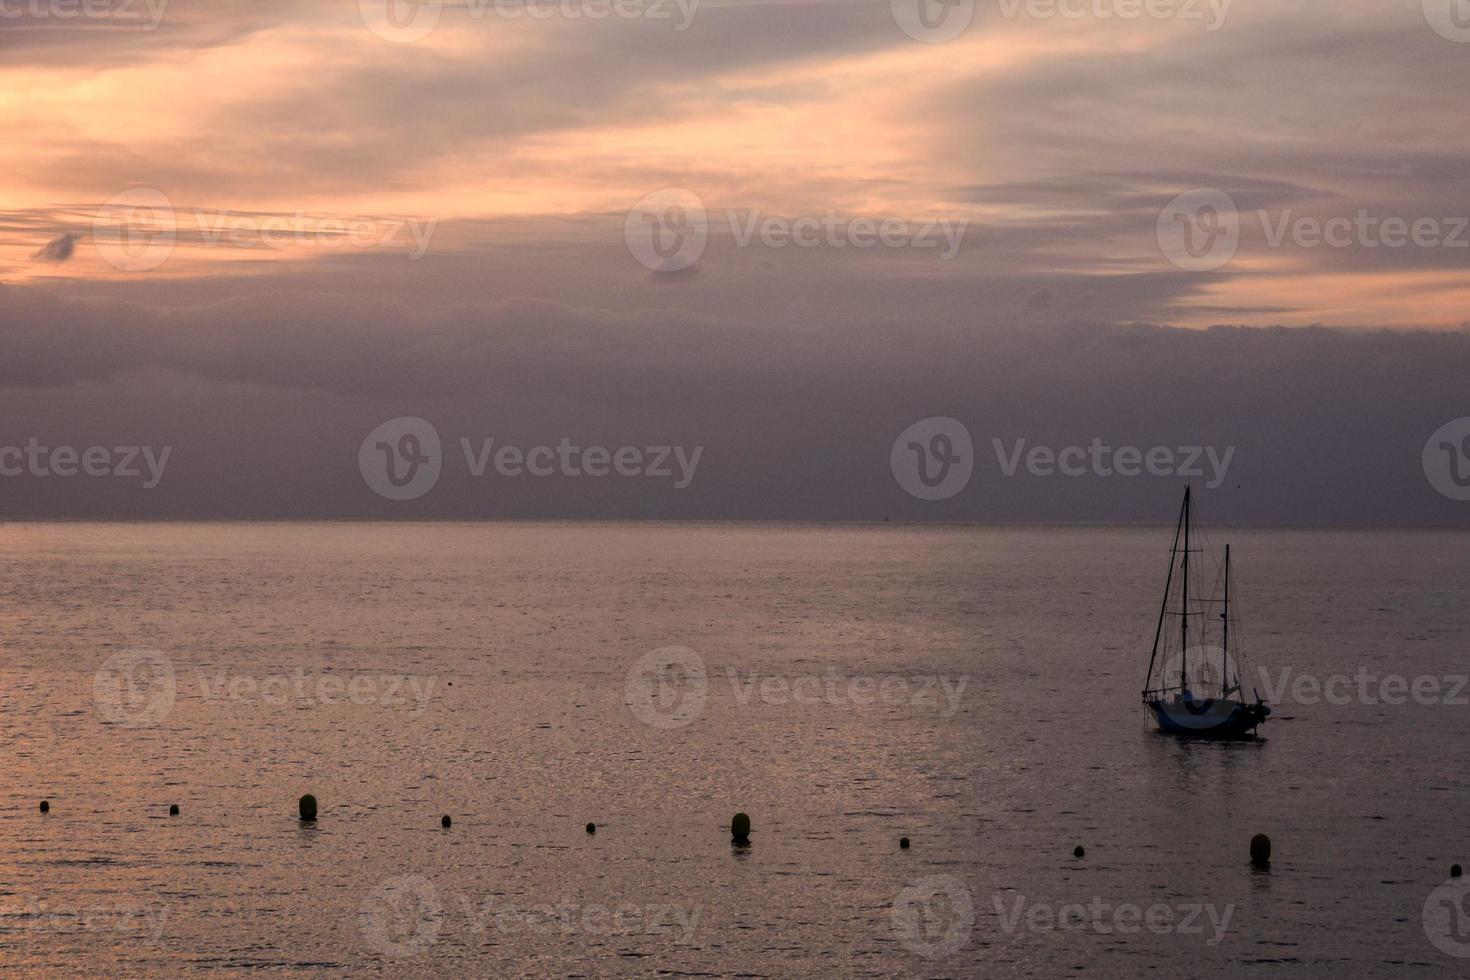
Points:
(973, 689)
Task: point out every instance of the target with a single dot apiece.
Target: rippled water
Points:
(973, 689)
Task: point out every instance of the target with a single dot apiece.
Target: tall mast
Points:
(1184, 604)
(1164, 606)
(1225, 632)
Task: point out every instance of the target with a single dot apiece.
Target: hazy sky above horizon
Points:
(487, 173)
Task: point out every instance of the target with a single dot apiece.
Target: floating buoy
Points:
(45, 806)
(173, 809)
(444, 821)
(1261, 851)
(1454, 871)
(307, 806)
(1078, 851)
(591, 828)
(903, 842)
(740, 829)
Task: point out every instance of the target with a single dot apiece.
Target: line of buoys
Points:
(740, 829)
(1261, 851)
(445, 822)
(591, 828)
(306, 806)
(45, 806)
(173, 809)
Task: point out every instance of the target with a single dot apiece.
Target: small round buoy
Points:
(45, 806)
(173, 809)
(591, 828)
(740, 829)
(1454, 871)
(307, 806)
(1078, 851)
(903, 843)
(444, 821)
(1261, 850)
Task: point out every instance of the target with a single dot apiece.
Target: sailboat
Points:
(1196, 690)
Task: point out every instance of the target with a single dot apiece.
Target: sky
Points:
(311, 258)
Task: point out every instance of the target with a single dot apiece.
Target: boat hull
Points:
(1207, 717)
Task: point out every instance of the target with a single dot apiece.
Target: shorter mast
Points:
(1225, 633)
(1184, 605)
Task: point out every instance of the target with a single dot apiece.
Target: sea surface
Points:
(973, 689)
